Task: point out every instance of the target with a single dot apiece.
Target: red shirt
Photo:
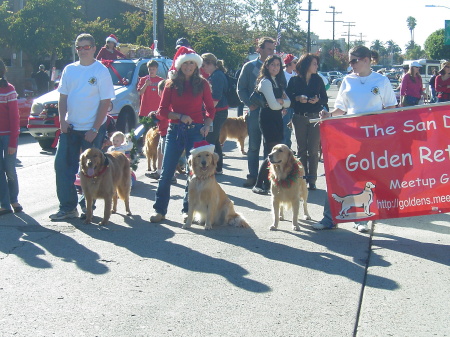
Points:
(9, 114)
(187, 103)
(150, 98)
(105, 54)
(410, 88)
(441, 86)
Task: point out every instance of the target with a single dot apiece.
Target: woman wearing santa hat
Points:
(109, 51)
(182, 101)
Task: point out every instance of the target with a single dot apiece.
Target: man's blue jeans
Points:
(177, 140)
(67, 160)
(254, 142)
(9, 185)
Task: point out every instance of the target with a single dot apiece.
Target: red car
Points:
(24, 104)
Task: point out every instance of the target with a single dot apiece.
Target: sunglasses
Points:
(87, 47)
(353, 61)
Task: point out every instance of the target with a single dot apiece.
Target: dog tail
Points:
(337, 198)
(238, 220)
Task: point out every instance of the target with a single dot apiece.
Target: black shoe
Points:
(259, 190)
(312, 187)
(250, 182)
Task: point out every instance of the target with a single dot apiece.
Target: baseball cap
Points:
(182, 42)
(415, 64)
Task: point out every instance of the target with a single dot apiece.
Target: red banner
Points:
(388, 165)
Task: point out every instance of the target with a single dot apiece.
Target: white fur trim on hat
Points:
(112, 38)
(188, 57)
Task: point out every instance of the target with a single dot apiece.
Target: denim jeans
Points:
(67, 160)
(213, 137)
(327, 217)
(254, 142)
(9, 185)
(287, 131)
(176, 142)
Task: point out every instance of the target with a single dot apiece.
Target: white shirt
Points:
(288, 76)
(85, 87)
(365, 94)
(265, 87)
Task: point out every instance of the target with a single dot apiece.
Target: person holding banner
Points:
(411, 89)
(443, 83)
(308, 95)
(361, 91)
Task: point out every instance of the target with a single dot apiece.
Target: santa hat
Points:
(182, 55)
(202, 147)
(288, 59)
(112, 38)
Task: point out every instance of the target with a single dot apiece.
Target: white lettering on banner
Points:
(438, 155)
(419, 182)
(444, 178)
(446, 121)
(421, 126)
(390, 130)
(352, 163)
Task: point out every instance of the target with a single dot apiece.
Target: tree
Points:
(43, 27)
(414, 52)
(434, 46)
(393, 51)
(99, 29)
(411, 23)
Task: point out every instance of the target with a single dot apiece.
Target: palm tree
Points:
(411, 23)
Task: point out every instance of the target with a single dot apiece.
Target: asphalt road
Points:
(135, 278)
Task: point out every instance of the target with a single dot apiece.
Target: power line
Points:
(334, 21)
(348, 25)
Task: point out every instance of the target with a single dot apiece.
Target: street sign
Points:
(447, 33)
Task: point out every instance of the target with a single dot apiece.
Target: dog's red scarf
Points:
(292, 176)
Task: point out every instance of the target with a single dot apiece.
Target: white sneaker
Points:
(320, 226)
(363, 228)
(61, 215)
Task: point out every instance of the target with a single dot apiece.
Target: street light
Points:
(437, 6)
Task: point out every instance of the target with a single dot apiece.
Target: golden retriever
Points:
(151, 148)
(287, 185)
(363, 199)
(104, 176)
(234, 128)
(207, 200)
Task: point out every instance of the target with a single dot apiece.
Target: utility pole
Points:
(309, 10)
(348, 25)
(361, 38)
(334, 21)
(160, 24)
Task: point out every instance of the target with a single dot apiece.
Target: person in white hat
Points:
(411, 88)
(109, 51)
(182, 101)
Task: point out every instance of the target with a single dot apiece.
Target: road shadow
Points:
(152, 241)
(25, 242)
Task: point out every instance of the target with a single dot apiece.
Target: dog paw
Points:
(129, 214)
(273, 228)
(87, 221)
(186, 225)
(296, 228)
(208, 227)
(103, 223)
(113, 211)
(306, 217)
(244, 153)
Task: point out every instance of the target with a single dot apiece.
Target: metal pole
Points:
(154, 20)
(308, 42)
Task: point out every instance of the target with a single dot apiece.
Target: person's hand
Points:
(252, 107)
(89, 136)
(186, 119)
(12, 150)
(283, 112)
(204, 130)
(324, 114)
(313, 100)
(280, 101)
(63, 126)
(301, 99)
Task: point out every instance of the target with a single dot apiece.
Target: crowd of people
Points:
(191, 106)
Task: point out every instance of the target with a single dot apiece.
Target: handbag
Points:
(258, 99)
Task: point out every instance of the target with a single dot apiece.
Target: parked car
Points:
(43, 122)
(24, 104)
(335, 74)
(337, 81)
(324, 73)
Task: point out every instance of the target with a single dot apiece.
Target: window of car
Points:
(125, 70)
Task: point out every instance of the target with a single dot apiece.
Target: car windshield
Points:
(124, 70)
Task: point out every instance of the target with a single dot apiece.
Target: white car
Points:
(43, 122)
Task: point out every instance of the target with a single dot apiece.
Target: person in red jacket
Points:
(147, 88)
(9, 135)
(443, 83)
(182, 101)
(109, 51)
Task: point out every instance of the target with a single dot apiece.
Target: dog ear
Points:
(83, 162)
(215, 158)
(190, 161)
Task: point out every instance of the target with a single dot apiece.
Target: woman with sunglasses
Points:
(443, 83)
(361, 91)
(109, 51)
(308, 95)
(411, 88)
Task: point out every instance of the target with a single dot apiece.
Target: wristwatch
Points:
(94, 130)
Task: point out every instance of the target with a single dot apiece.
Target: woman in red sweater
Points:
(411, 88)
(443, 83)
(9, 135)
(182, 101)
(109, 51)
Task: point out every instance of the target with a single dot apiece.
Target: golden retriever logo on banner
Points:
(352, 201)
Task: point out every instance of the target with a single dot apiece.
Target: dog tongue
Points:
(91, 171)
